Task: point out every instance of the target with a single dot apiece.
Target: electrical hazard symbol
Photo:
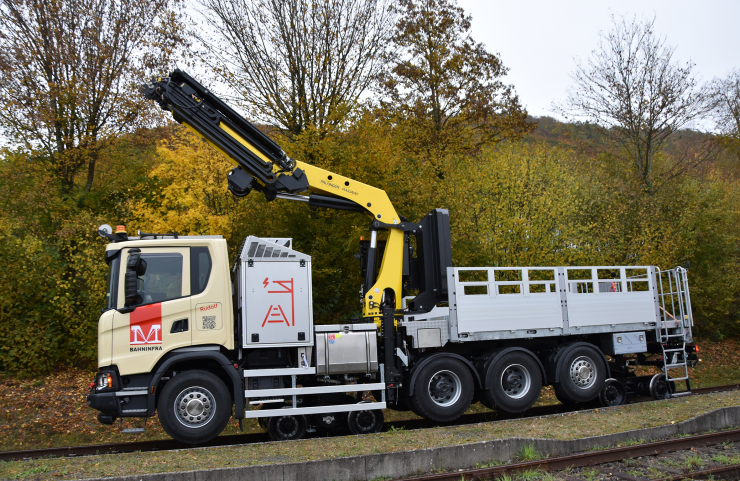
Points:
(276, 313)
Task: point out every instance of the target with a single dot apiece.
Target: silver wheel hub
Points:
(583, 372)
(444, 388)
(516, 381)
(195, 407)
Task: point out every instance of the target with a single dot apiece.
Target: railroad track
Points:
(171, 444)
(602, 457)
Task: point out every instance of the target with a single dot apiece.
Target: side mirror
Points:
(135, 267)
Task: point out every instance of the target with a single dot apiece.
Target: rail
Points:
(170, 444)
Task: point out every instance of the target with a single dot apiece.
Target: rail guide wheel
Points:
(365, 422)
(660, 388)
(612, 394)
(287, 427)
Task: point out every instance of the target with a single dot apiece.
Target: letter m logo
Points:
(146, 325)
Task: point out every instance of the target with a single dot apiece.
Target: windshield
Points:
(111, 295)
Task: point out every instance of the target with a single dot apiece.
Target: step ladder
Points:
(674, 329)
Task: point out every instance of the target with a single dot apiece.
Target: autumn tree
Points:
(447, 88)
(636, 96)
(297, 63)
(69, 71)
(726, 96)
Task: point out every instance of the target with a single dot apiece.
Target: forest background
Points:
(393, 94)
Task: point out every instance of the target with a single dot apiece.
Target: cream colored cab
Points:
(184, 299)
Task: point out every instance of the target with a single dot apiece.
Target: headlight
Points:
(105, 380)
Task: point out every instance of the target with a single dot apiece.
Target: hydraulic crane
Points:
(261, 165)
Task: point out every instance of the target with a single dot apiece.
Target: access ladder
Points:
(674, 329)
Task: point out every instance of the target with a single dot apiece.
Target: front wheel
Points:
(443, 390)
(194, 407)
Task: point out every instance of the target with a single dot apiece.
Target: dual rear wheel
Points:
(513, 381)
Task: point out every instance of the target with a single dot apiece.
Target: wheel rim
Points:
(286, 426)
(195, 407)
(365, 420)
(583, 372)
(444, 388)
(516, 381)
(613, 394)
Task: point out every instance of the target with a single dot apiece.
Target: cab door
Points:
(161, 318)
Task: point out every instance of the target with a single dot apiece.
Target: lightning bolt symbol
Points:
(265, 282)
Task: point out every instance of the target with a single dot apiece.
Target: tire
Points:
(612, 394)
(194, 407)
(365, 422)
(581, 374)
(287, 428)
(443, 390)
(514, 383)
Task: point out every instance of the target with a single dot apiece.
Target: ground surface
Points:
(677, 463)
(569, 426)
(51, 411)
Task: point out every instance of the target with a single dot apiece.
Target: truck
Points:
(188, 337)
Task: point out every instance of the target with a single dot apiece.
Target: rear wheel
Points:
(443, 390)
(365, 422)
(514, 382)
(194, 407)
(612, 394)
(581, 374)
(660, 388)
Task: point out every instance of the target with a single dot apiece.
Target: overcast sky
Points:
(538, 39)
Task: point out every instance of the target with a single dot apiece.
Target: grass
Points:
(590, 473)
(528, 453)
(725, 459)
(692, 462)
(490, 464)
(569, 426)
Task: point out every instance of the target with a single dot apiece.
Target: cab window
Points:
(200, 269)
(162, 280)
(112, 277)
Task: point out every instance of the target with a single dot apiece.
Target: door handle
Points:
(180, 325)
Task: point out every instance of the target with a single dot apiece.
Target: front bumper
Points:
(106, 402)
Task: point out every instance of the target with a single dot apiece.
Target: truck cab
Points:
(183, 336)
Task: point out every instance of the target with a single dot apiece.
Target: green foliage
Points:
(52, 282)
(511, 204)
(528, 453)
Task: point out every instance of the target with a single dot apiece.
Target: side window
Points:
(112, 292)
(200, 269)
(162, 280)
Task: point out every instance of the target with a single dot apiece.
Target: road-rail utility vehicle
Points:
(188, 337)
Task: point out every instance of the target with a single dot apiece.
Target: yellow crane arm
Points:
(260, 164)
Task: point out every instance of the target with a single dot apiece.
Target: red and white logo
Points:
(275, 313)
(146, 325)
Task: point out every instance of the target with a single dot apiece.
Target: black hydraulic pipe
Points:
(316, 200)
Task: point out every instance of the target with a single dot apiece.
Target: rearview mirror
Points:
(135, 268)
